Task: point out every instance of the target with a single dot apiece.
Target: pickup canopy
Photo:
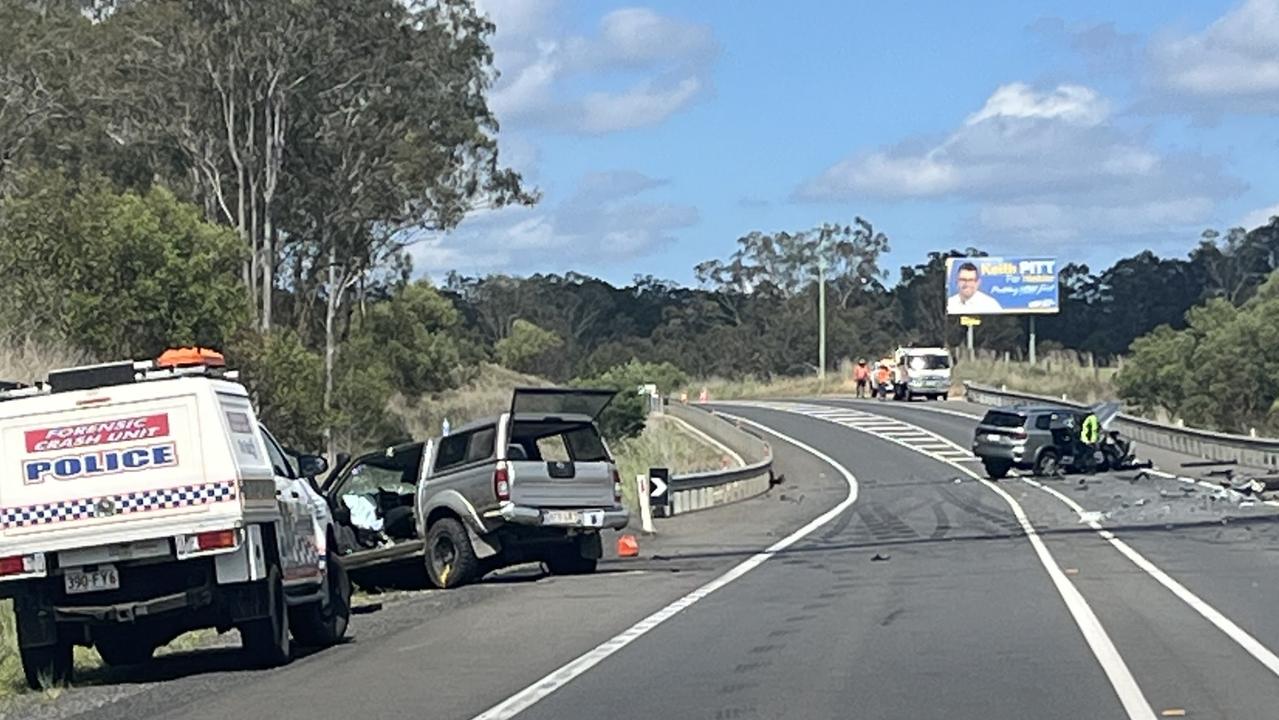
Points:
(553, 402)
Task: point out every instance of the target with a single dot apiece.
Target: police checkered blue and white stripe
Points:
(132, 502)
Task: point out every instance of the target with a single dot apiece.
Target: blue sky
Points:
(659, 133)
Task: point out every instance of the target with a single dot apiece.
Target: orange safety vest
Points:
(883, 375)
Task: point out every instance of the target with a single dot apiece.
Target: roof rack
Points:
(173, 363)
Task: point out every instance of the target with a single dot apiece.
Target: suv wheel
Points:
(568, 560)
(1046, 463)
(450, 559)
(997, 469)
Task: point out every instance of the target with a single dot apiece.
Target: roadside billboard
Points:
(1001, 286)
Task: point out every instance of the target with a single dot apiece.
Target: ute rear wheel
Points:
(266, 640)
(450, 557)
(47, 666)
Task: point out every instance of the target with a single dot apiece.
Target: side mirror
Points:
(312, 465)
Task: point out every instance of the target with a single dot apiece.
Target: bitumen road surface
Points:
(884, 578)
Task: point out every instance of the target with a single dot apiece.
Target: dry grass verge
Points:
(664, 443)
(486, 395)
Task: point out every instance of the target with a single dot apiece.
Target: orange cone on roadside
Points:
(627, 546)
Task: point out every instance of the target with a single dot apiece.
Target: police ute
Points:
(142, 499)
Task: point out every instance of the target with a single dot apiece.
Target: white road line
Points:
(1240, 636)
(709, 440)
(1112, 663)
(931, 408)
(560, 677)
(1250, 644)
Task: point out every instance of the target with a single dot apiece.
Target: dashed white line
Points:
(1112, 663)
(1227, 626)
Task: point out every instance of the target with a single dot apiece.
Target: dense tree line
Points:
(755, 313)
(249, 175)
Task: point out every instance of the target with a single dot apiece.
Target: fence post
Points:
(645, 503)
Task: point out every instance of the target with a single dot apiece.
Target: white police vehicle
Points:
(140, 500)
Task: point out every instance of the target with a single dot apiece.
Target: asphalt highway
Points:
(884, 578)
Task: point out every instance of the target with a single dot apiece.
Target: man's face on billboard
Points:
(967, 283)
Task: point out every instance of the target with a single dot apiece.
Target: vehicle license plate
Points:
(104, 577)
(561, 517)
(994, 437)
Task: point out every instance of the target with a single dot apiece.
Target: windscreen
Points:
(1002, 419)
(929, 362)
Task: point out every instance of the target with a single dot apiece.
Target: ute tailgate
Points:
(565, 464)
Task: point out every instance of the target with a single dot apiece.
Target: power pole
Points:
(821, 305)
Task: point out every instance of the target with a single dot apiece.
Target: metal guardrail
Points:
(1248, 451)
(698, 491)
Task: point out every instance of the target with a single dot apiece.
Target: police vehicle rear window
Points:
(1003, 419)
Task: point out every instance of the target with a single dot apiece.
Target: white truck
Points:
(921, 372)
(140, 500)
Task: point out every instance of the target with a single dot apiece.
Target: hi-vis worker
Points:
(861, 373)
(1089, 436)
(883, 380)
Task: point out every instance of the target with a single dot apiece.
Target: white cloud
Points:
(1069, 103)
(518, 18)
(570, 82)
(1259, 217)
(1233, 63)
(641, 38)
(1048, 164)
(602, 223)
(638, 106)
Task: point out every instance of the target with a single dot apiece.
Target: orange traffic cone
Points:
(627, 546)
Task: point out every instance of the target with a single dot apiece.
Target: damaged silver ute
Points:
(535, 484)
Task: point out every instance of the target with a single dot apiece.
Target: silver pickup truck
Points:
(536, 483)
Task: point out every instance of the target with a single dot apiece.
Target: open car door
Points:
(1106, 412)
(553, 402)
(373, 501)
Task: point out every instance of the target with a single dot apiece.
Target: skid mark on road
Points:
(1129, 693)
(1241, 637)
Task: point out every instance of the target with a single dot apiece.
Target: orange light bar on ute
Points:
(190, 356)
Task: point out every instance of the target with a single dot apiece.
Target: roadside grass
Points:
(87, 661)
(23, 359)
(489, 393)
(1055, 374)
(752, 387)
(663, 443)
